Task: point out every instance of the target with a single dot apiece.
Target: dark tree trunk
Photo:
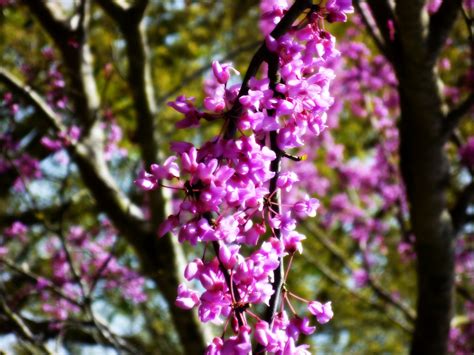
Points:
(413, 51)
(425, 171)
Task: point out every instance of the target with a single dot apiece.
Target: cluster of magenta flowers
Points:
(83, 267)
(232, 184)
(12, 157)
(89, 253)
(370, 200)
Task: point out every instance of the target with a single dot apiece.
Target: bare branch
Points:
(332, 277)
(454, 117)
(131, 14)
(113, 9)
(383, 13)
(26, 92)
(138, 9)
(407, 311)
(21, 328)
(73, 331)
(379, 43)
(51, 22)
(200, 71)
(35, 216)
(31, 276)
(441, 24)
(77, 58)
(318, 233)
(139, 80)
(378, 289)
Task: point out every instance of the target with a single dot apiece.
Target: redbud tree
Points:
(282, 177)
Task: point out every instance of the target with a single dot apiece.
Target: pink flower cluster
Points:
(83, 255)
(95, 265)
(64, 139)
(21, 164)
(369, 201)
(370, 188)
(232, 183)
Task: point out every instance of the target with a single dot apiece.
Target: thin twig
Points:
(326, 272)
(23, 330)
(378, 41)
(36, 279)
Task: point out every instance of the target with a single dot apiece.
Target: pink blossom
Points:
(286, 180)
(338, 9)
(222, 71)
(323, 312)
(51, 144)
(433, 6)
(185, 106)
(292, 241)
(17, 229)
(186, 298)
(168, 170)
(360, 277)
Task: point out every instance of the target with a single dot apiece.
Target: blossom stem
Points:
(253, 315)
(230, 285)
(288, 267)
(285, 298)
(298, 297)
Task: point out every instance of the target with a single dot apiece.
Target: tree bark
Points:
(425, 172)
(413, 52)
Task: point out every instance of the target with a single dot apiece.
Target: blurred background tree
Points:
(107, 69)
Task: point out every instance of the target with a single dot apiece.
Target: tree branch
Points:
(139, 76)
(56, 28)
(425, 171)
(35, 216)
(407, 311)
(200, 71)
(440, 25)
(32, 277)
(78, 59)
(275, 167)
(383, 13)
(127, 217)
(332, 277)
(26, 92)
(77, 332)
(19, 325)
(454, 117)
(333, 249)
(379, 42)
(379, 291)
(113, 9)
